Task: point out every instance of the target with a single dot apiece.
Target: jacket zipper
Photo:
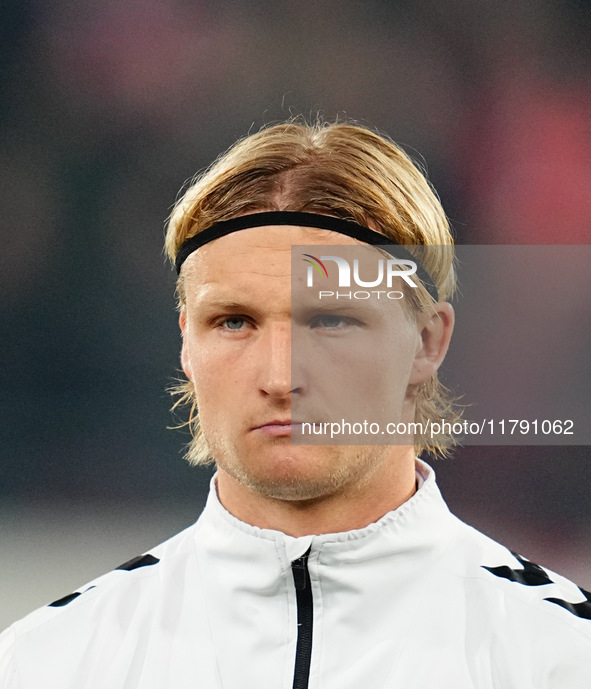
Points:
(305, 606)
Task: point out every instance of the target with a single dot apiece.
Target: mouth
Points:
(279, 427)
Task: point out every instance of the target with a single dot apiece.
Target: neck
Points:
(351, 507)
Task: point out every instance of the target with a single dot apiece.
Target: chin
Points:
(295, 487)
(285, 472)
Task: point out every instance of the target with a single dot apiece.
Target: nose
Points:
(276, 378)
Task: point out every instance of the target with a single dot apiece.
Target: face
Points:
(238, 324)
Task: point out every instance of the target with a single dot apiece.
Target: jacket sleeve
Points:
(8, 679)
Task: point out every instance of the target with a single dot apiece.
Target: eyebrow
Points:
(354, 309)
(332, 306)
(222, 304)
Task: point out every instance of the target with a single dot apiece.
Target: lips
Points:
(276, 422)
(278, 427)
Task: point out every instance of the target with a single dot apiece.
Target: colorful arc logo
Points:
(317, 263)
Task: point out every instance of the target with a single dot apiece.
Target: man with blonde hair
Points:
(321, 560)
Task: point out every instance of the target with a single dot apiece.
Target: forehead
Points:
(253, 254)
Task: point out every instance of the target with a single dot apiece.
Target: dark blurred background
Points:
(108, 108)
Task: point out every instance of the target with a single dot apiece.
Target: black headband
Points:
(322, 222)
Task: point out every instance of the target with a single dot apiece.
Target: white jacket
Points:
(417, 599)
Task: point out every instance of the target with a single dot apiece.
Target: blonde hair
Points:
(339, 169)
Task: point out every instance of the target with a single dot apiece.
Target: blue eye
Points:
(233, 323)
(331, 322)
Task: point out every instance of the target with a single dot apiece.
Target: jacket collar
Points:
(420, 525)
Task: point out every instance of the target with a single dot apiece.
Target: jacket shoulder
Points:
(95, 620)
(137, 573)
(513, 587)
(8, 678)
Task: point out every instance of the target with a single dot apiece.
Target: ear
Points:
(185, 359)
(435, 326)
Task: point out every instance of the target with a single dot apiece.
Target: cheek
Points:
(393, 359)
(216, 375)
(199, 366)
(367, 379)
(207, 376)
